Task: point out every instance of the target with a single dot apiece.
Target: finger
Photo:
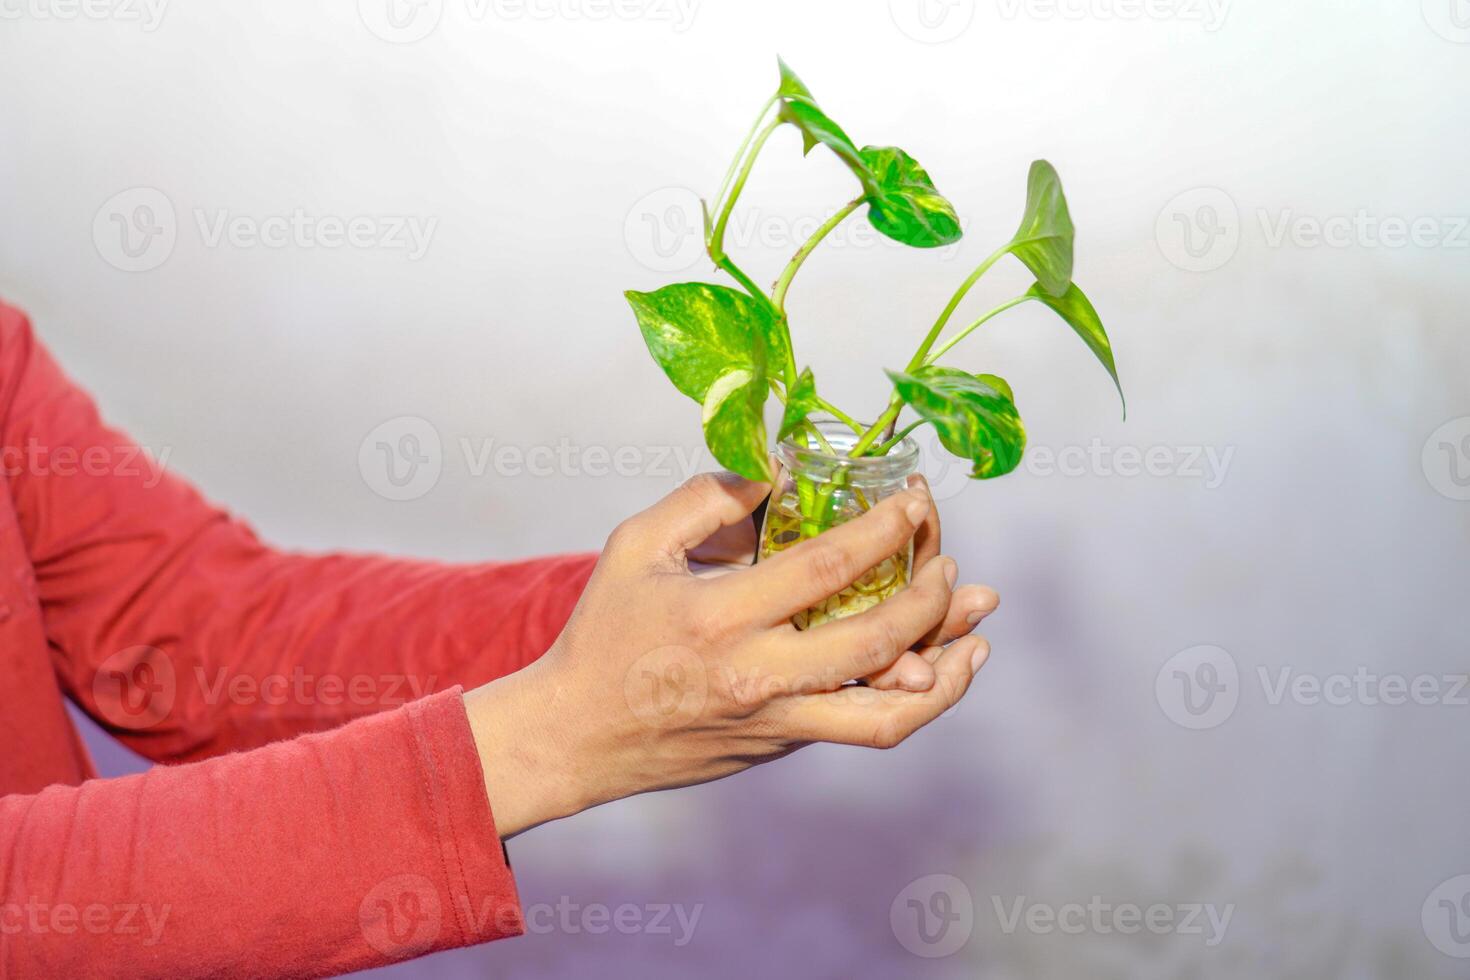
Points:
(910, 672)
(926, 538)
(688, 516)
(967, 607)
(883, 719)
(859, 646)
(823, 566)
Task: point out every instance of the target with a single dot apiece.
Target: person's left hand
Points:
(736, 545)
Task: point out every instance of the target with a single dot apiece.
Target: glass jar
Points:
(819, 487)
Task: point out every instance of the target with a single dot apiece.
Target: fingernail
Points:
(951, 571)
(917, 508)
(977, 657)
(986, 601)
(975, 616)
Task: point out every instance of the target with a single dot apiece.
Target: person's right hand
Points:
(661, 679)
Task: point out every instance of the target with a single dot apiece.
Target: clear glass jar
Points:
(817, 490)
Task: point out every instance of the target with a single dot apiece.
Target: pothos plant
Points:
(730, 349)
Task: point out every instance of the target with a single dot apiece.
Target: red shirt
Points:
(332, 815)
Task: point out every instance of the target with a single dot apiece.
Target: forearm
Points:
(331, 853)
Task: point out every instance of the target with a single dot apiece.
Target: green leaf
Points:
(790, 84)
(975, 417)
(1044, 240)
(905, 205)
(801, 401)
(734, 428)
(817, 127)
(1074, 307)
(698, 332)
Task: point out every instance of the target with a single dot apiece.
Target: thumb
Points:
(697, 509)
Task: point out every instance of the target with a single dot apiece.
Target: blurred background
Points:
(1223, 730)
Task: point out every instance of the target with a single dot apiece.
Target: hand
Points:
(661, 679)
(733, 547)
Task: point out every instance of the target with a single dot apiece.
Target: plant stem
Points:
(1008, 304)
(887, 447)
(728, 264)
(717, 237)
(840, 415)
(883, 424)
(744, 145)
(949, 309)
(778, 293)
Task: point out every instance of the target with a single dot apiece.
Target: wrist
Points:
(530, 773)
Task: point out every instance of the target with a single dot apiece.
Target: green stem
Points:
(949, 309)
(944, 348)
(840, 415)
(738, 274)
(744, 145)
(887, 447)
(717, 237)
(816, 433)
(778, 293)
(876, 430)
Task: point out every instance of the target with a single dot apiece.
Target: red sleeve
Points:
(174, 627)
(330, 853)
